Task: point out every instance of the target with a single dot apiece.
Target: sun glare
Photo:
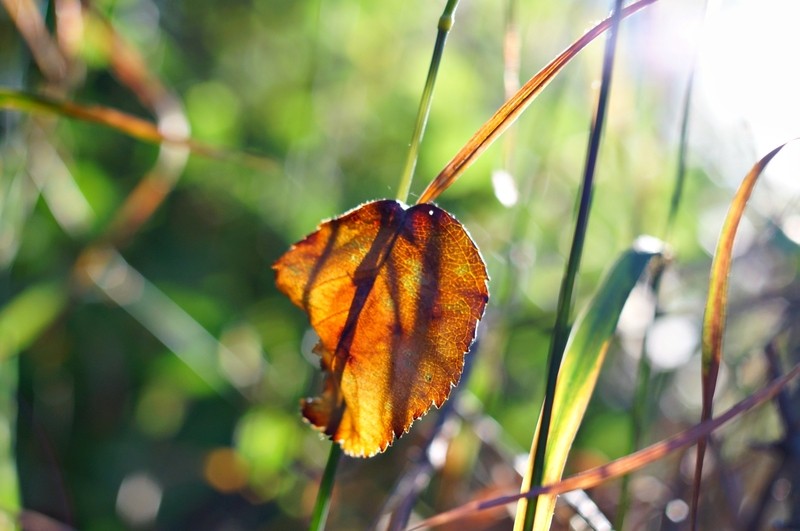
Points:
(747, 72)
(748, 87)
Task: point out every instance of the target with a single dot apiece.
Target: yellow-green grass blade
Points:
(583, 357)
(716, 306)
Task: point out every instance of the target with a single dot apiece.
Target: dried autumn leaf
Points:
(395, 295)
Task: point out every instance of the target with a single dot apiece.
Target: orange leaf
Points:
(395, 295)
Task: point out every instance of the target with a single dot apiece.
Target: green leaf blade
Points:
(583, 358)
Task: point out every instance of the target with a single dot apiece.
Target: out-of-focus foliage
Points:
(160, 384)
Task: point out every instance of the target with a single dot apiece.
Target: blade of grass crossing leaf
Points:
(445, 23)
(559, 338)
(583, 357)
(715, 310)
(513, 107)
(624, 465)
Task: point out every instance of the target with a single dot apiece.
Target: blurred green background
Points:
(154, 383)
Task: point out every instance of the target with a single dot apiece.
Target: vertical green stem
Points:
(445, 23)
(323, 503)
(561, 330)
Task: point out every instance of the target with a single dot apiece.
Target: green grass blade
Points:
(563, 311)
(323, 503)
(583, 357)
(716, 307)
(445, 23)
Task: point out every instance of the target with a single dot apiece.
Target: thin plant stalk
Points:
(321, 506)
(323, 503)
(643, 400)
(680, 176)
(561, 329)
(445, 23)
(641, 406)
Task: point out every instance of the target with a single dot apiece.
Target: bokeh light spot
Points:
(225, 470)
(139, 499)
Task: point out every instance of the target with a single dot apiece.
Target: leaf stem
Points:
(445, 23)
(561, 331)
(323, 503)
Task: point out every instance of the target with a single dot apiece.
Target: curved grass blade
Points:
(583, 357)
(126, 124)
(716, 307)
(624, 465)
(513, 107)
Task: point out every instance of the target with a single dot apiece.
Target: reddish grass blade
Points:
(715, 311)
(512, 108)
(126, 124)
(624, 465)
